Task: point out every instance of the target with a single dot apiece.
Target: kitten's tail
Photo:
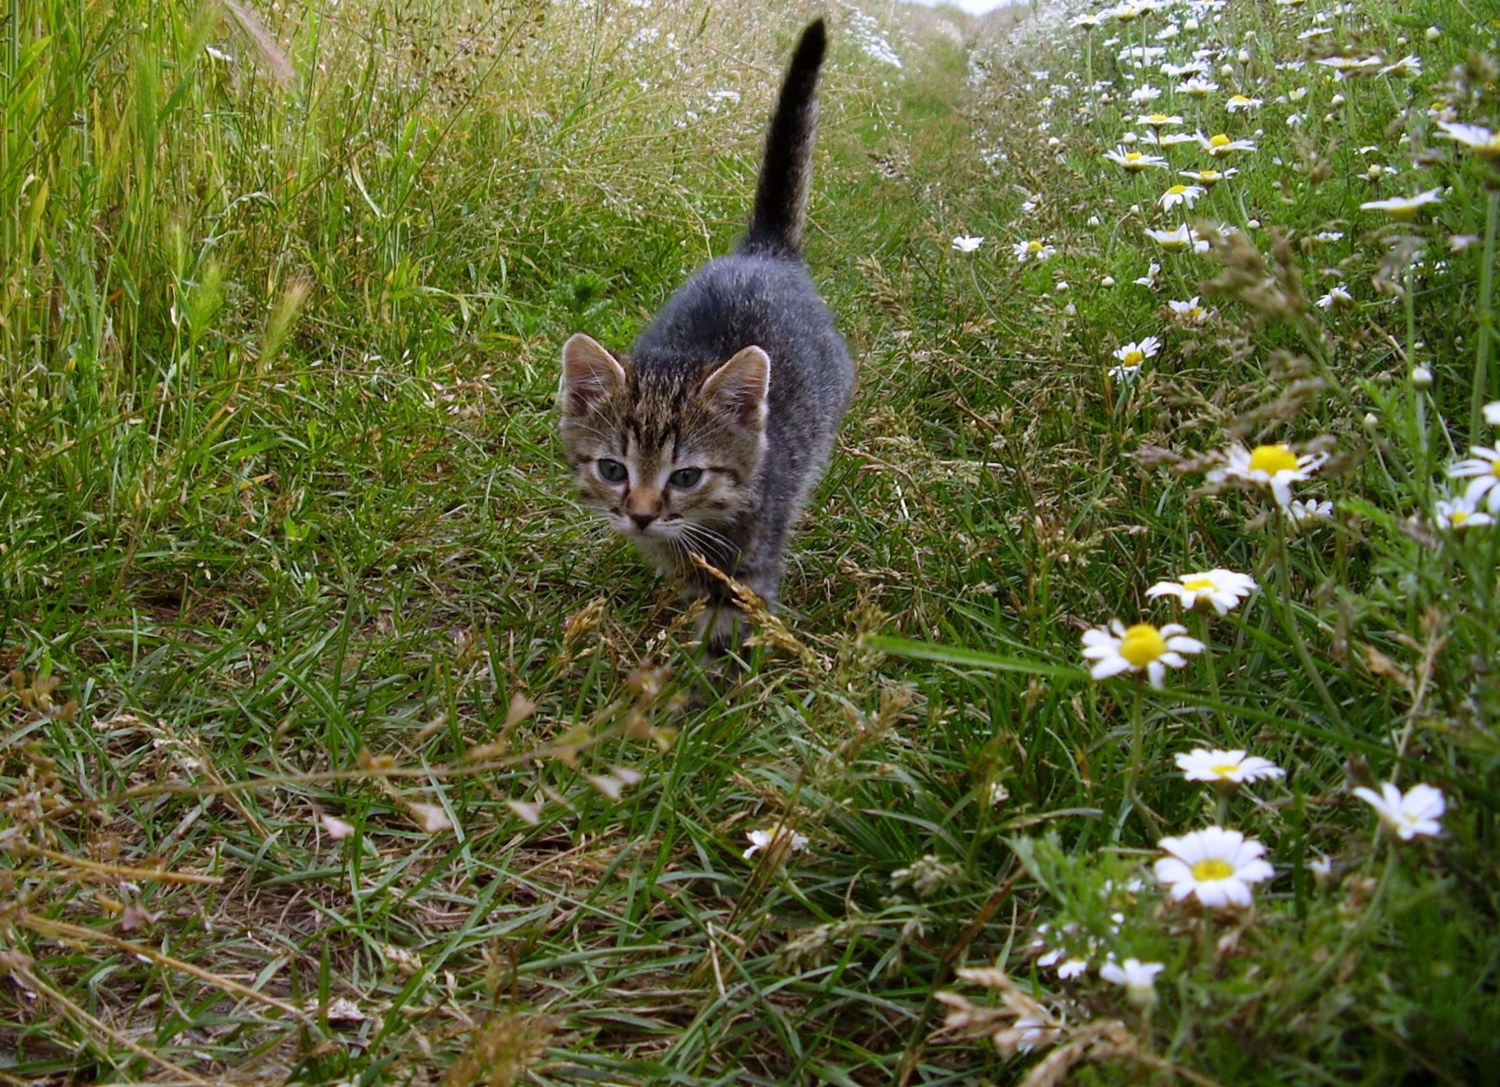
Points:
(786, 169)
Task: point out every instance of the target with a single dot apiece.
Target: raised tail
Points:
(786, 169)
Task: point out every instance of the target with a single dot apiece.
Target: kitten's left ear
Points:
(590, 375)
(740, 386)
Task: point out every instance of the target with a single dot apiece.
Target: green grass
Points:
(287, 540)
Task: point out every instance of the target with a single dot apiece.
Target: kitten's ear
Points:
(590, 375)
(740, 386)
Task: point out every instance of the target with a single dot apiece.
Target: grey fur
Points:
(693, 394)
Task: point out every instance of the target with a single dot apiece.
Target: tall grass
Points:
(343, 747)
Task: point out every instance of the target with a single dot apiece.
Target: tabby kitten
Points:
(711, 434)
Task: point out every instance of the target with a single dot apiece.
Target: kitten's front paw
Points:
(720, 629)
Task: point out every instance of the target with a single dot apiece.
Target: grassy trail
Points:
(342, 747)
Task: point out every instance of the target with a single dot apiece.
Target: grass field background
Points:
(343, 747)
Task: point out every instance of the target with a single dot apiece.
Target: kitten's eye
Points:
(611, 471)
(685, 477)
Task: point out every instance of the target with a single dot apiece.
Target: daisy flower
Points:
(1189, 312)
(1089, 20)
(967, 243)
(1404, 208)
(1274, 467)
(1179, 240)
(1033, 250)
(1138, 978)
(1458, 512)
(1208, 178)
(1219, 145)
(1197, 87)
(1149, 280)
(1158, 120)
(1180, 194)
(1233, 767)
(1408, 67)
(1338, 298)
(1475, 137)
(1172, 139)
(1300, 512)
(1416, 811)
(1482, 469)
(1072, 968)
(1214, 865)
(1141, 648)
(1239, 103)
(1221, 589)
(1134, 161)
(1344, 67)
(1133, 354)
(778, 841)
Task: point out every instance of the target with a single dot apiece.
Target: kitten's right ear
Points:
(590, 375)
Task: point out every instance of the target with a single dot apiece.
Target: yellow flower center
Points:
(1134, 358)
(1219, 140)
(1495, 467)
(1177, 190)
(1142, 644)
(1458, 517)
(1157, 119)
(1209, 177)
(1033, 247)
(1131, 156)
(1271, 459)
(1213, 868)
(1223, 770)
(1198, 584)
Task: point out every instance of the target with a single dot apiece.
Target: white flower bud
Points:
(1421, 378)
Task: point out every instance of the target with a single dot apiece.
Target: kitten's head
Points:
(666, 452)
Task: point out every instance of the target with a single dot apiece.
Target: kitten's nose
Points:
(642, 519)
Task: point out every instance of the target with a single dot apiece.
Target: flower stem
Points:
(1486, 322)
(1289, 622)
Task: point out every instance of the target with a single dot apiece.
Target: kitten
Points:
(711, 434)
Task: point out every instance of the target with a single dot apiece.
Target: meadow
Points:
(1132, 713)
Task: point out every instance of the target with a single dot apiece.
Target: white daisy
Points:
(1404, 208)
(1138, 978)
(1222, 589)
(778, 841)
(1304, 513)
(1219, 145)
(1180, 194)
(1458, 512)
(1416, 811)
(1475, 137)
(1179, 240)
(1482, 469)
(967, 243)
(1140, 648)
(1131, 355)
(1197, 87)
(1234, 767)
(1134, 161)
(1072, 968)
(1033, 250)
(1337, 298)
(1214, 865)
(1275, 467)
(1239, 103)
(1208, 178)
(1189, 312)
